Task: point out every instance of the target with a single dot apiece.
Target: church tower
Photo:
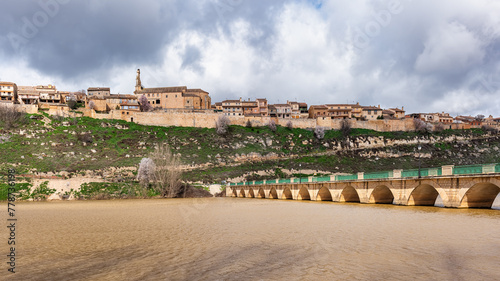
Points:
(138, 84)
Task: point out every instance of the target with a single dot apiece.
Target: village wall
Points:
(208, 119)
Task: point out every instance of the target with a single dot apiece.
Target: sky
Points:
(428, 56)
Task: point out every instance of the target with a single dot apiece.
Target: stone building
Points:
(98, 92)
(173, 97)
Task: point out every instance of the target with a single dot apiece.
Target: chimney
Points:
(379, 106)
(240, 99)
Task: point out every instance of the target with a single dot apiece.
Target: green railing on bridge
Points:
(427, 172)
(377, 175)
(321, 179)
(347, 177)
(468, 170)
(300, 180)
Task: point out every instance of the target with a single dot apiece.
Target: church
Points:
(173, 97)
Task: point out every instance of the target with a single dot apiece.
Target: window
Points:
(166, 96)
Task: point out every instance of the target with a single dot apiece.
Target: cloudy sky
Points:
(428, 56)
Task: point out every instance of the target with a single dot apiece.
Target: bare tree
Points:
(480, 117)
(345, 128)
(92, 104)
(10, 117)
(289, 125)
(144, 104)
(222, 124)
(71, 101)
(420, 126)
(439, 127)
(319, 133)
(146, 171)
(167, 172)
(248, 124)
(272, 125)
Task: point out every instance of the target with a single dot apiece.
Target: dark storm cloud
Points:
(427, 55)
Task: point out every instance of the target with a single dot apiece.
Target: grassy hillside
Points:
(39, 143)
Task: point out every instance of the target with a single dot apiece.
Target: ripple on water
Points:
(227, 239)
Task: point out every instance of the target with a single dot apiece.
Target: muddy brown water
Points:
(251, 239)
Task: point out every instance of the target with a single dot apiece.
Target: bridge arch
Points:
(304, 194)
(287, 194)
(273, 194)
(324, 194)
(349, 194)
(251, 194)
(242, 193)
(261, 193)
(425, 195)
(381, 194)
(480, 195)
(235, 193)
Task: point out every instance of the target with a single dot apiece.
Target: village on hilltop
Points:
(181, 106)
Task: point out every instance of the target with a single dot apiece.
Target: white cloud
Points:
(450, 48)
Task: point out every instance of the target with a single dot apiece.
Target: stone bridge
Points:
(456, 191)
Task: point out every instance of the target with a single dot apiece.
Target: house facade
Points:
(8, 92)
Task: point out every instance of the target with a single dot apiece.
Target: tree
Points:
(144, 104)
(345, 128)
(167, 172)
(248, 124)
(272, 125)
(92, 104)
(146, 174)
(222, 124)
(289, 125)
(480, 117)
(319, 133)
(420, 126)
(71, 101)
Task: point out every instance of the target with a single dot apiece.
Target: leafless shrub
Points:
(489, 129)
(289, 125)
(319, 133)
(10, 117)
(272, 125)
(144, 104)
(438, 127)
(92, 104)
(345, 128)
(146, 171)
(167, 172)
(420, 126)
(248, 124)
(222, 124)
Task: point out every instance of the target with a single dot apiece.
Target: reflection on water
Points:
(252, 239)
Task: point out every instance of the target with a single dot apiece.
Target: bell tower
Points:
(138, 84)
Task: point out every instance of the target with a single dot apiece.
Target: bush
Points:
(319, 133)
(222, 124)
(92, 104)
(10, 117)
(272, 125)
(85, 137)
(248, 124)
(439, 127)
(420, 126)
(289, 125)
(345, 128)
(489, 129)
